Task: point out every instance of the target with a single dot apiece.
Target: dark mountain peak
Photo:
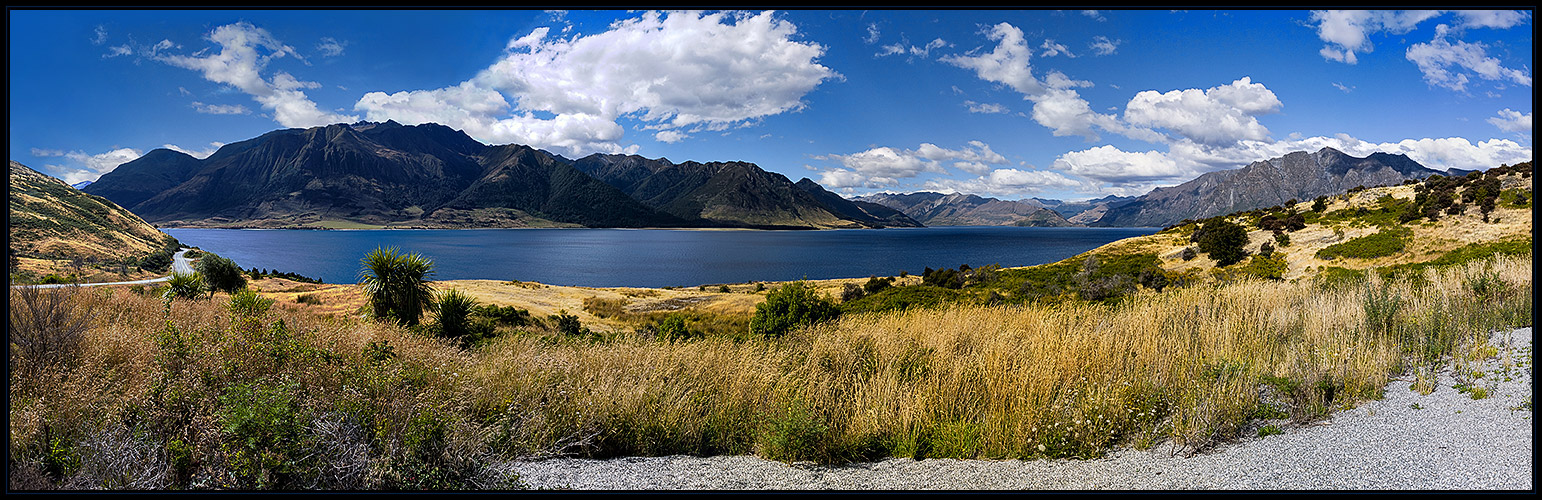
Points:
(163, 154)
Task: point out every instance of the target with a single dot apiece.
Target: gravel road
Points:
(1444, 440)
(179, 263)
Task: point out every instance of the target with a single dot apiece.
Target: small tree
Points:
(1320, 204)
(791, 306)
(1223, 241)
(220, 274)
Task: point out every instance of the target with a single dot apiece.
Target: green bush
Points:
(1265, 266)
(875, 284)
(902, 298)
(672, 327)
(794, 434)
(1222, 240)
(220, 274)
(249, 304)
(1386, 242)
(454, 310)
(265, 440)
(568, 325)
(790, 306)
(185, 286)
(504, 315)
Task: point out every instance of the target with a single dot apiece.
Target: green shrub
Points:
(902, 298)
(264, 441)
(795, 434)
(504, 315)
(1270, 430)
(308, 298)
(722, 289)
(1385, 242)
(791, 306)
(875, 284)
(186, 286)
(568, 325)
(248, 303)
(672, 327)
(220, 274)
(453, 310)
(1222, 240)
(1266, 267)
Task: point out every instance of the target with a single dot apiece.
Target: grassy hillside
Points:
(55, 228)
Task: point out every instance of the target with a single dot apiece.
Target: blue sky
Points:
(1012, 104)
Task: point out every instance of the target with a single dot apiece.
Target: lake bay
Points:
(654, 257)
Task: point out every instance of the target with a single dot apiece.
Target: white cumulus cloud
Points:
(886, 166)
(1512, 121)
(220, 109)
(84, 166)
(199, 154)
(676, 70)
(1501, 19)
(1347, 31)
(985, 107)
(1216, 116)
(1447, 64)
(245, 51)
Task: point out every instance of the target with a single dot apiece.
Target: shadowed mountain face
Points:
(50, 219)
(1299, 175)
(937, 209)
(430, 175)
(370, 173)
(729, 193)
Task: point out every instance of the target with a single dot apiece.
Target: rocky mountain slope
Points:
(728, 193)
(390, 175)
(1299, 176)
(937, 209)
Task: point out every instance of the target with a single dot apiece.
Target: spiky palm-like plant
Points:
(186, 286)
(454, 311)
(397, 285)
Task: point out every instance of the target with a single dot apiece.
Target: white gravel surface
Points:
(1444, 440)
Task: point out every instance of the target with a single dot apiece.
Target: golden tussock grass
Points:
(1184, 368)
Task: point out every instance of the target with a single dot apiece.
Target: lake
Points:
(653, 257)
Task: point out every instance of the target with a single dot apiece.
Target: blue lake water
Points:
(654, 257)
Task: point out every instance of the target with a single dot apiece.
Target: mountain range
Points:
(1299, 176)
(429, 175)
(390, 175)
(958, 209)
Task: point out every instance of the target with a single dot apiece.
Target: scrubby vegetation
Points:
(1388, 241)
(311, 402)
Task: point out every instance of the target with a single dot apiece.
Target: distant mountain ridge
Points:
(429, 175)
(958, 209)
(1299, 175)
(730, 192)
